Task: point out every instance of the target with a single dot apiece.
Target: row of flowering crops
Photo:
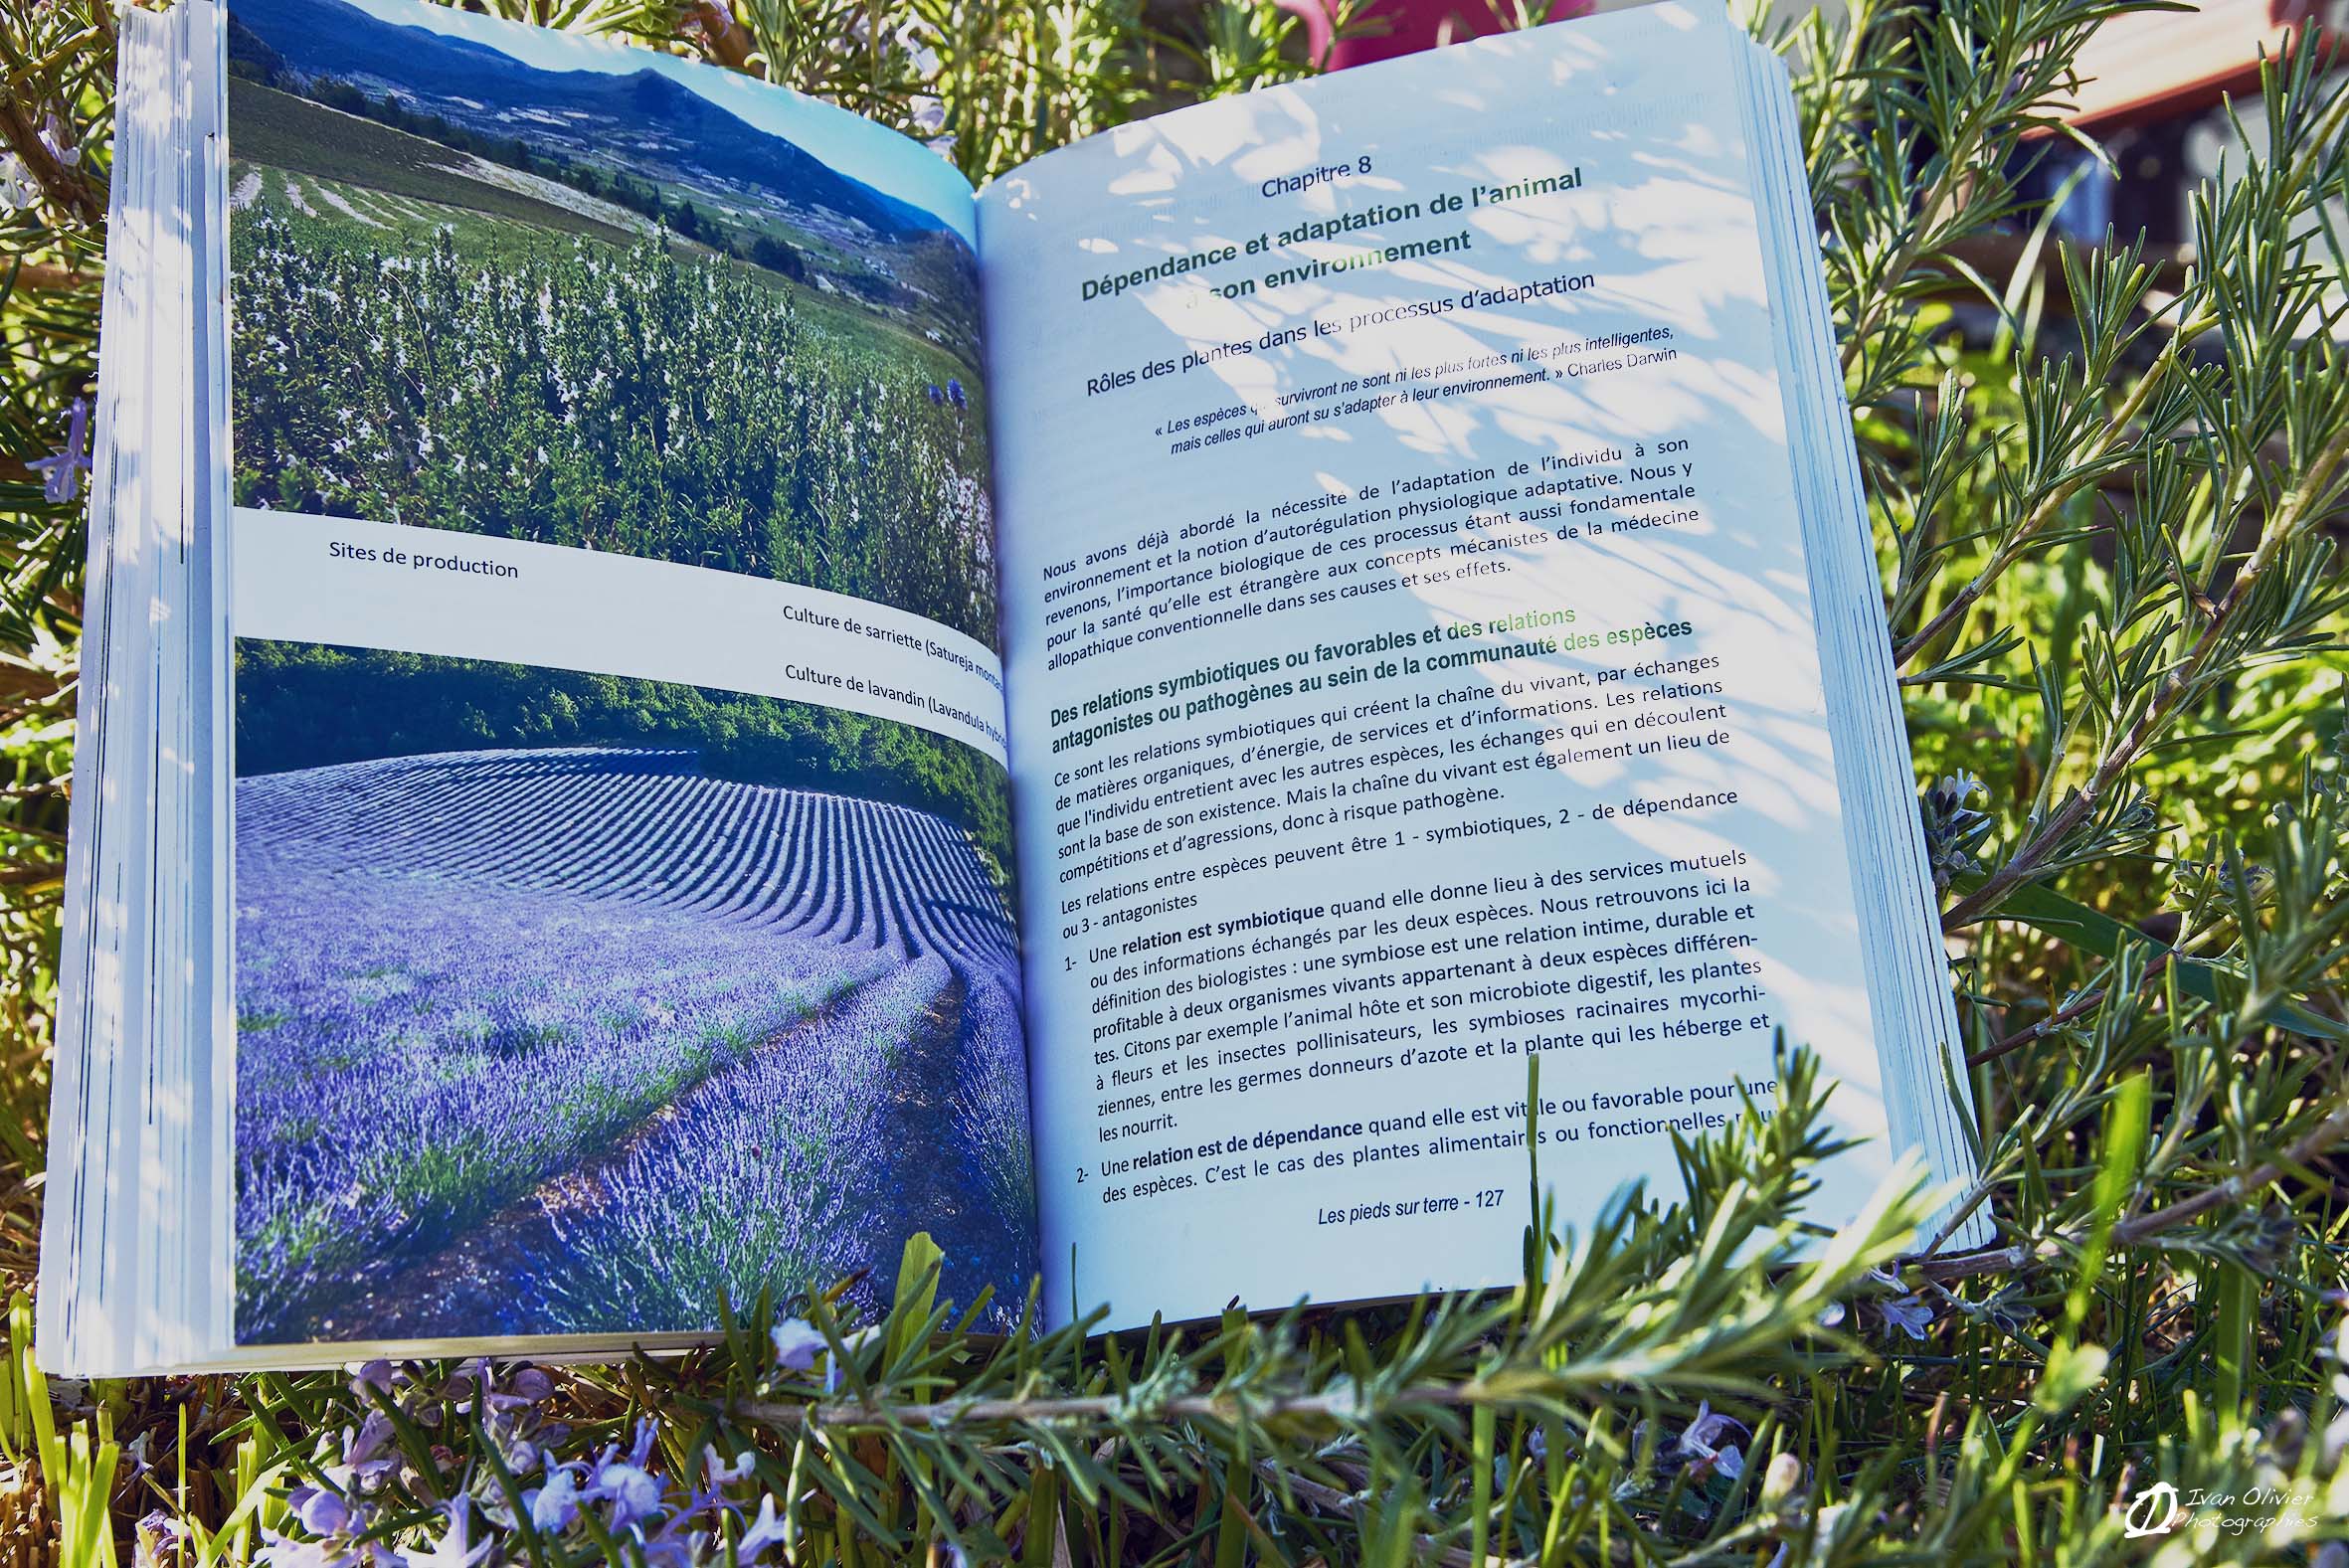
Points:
(580, 1038)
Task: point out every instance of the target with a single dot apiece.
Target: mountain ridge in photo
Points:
(687, 139)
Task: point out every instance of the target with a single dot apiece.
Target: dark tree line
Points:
(309, 705)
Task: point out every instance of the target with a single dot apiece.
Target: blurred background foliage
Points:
(2107, 473)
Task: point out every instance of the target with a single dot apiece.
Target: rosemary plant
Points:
(2109, 530)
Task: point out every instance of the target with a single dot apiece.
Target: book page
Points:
(622, 831)
(1414, 668)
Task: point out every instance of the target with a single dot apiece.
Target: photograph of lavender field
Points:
(642, 996)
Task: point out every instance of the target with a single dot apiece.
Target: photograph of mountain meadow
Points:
(570, 1003)
(575, 300)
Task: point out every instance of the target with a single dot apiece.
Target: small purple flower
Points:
(1710, 1426)
(1909, 1314)
(470, 1378)
(555, 1505)
(18, 191)
(453, 1549)
(954, 394)
(506, 1416)
(935, 395)
(765, 1531)
(159, 1533)
(627, 1484)
(530, 1387)
(1701, 1442)
(64, 469)
(381, 1376)
(722, 1475)
(279, 1551)
(59, 138)
(798, 1343)
(371, 1451)
(640, 1451)
(321, 1510)
(521, 1454)
(633, 1493)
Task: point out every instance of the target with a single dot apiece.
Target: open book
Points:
(672, 698)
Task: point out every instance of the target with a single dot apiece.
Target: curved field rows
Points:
(647, 827)
(495, 1004)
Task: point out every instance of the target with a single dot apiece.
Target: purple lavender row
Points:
(765, 1178)
(990, 1103)
(462, 976)
(412, 1056)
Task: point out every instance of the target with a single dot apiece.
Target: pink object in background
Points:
(1404, 27)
